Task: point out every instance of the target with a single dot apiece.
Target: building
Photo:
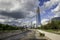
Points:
(38, 17)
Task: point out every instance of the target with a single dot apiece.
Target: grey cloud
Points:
(13, 14)
(26, 6)
(30, 5)
(6, 4)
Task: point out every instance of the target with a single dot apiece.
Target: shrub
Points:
(42, 34)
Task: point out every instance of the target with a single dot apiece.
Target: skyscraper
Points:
(38, 18)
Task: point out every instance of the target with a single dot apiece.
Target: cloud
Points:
(6, 5)
(2, 20)
(56, 15)
(49, 4)
(14, 14)
(56, 11)
(50, 8)
(17, 8)
(13, 10)
(28, 5)
(34, 22)
(44, 21)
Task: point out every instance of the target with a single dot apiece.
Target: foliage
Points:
(9, 27)
(53, 25)
(42, 34)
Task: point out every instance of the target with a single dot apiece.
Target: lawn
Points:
(53, 31)
(5, 31)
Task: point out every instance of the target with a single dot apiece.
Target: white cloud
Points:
(34, 22)
(2, 20)
(20, 7)
(44, 21)
(56, 15)
(17, 4)
(23, 6)
(5, 4)
(56, 11)
(49, 4)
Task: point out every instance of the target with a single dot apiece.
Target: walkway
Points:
(52, 36)
(27, 35)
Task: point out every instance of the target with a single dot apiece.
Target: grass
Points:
(6, 31)
(53, 31)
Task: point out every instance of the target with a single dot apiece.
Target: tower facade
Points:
(38, 17)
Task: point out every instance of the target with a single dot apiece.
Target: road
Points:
(52, 36)
(28, 35)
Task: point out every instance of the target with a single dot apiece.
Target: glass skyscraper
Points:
(38, 17)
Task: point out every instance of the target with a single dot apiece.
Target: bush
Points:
(9, 27)
(42, 34)
(53, 25)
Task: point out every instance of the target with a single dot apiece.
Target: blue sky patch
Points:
(42, 2)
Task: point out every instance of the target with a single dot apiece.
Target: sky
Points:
(16, 12)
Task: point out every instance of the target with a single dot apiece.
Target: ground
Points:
(52, 36)
(53, 31)
(26, 35)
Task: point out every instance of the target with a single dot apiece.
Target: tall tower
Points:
(38, 18)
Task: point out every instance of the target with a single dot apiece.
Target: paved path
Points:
(21, 36)
(32, 34)
(52, 36)
(27, 35)
(9, 34)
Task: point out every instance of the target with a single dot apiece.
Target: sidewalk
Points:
(52, 36)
